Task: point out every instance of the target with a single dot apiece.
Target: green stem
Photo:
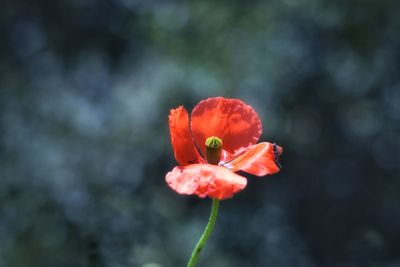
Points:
(203, 239)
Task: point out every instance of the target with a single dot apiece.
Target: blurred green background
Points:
(85, 90)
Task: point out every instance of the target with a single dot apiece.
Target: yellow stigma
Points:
(214, 142)
(213, 149)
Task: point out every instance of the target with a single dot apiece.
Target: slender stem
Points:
(203, 239)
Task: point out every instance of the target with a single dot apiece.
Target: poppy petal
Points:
(182, 141)
(235, 122)
(205, 180)
(258, 160)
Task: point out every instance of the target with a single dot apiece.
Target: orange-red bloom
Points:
(239, 127)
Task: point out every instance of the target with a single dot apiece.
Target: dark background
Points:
(85, 90)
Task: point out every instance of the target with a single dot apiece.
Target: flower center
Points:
(213, 150)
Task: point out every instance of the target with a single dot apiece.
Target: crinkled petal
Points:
(182, 141)
(205, 180)
(260, 160)
(235, 122)
(225, 157)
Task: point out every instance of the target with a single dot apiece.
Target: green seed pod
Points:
(213, 150)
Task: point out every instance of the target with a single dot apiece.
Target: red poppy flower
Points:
(232, 124)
